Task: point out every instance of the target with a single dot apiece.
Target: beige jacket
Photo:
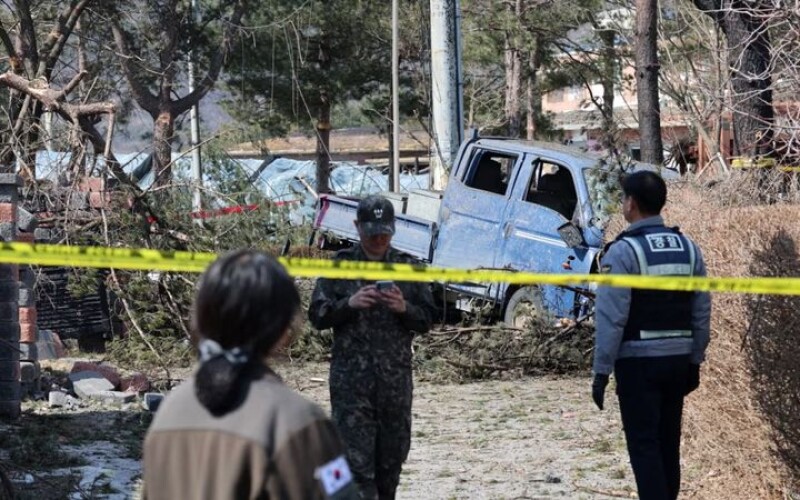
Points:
(276, 445)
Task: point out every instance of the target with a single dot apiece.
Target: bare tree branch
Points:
(27, 38)
(143, 96)
(218, 60)
(54, 45)
(8, 44)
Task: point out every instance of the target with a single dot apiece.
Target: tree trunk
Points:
(323, 143)
(647, 81)
(749, 64)
(751, 82)
(609, 77)
(513, 67)
(163, 132)
(533, 92)
(324, 122)
(512, 104)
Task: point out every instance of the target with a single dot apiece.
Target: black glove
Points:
(693, 378)
(599, 389)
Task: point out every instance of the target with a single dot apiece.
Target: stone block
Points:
(26, 297)
(78, 201)
(9, 331)
(28, 332)
(27, 315)
(113, 396)
(9, 272)
(135, 383)
(25, 237)
(27, 276)
(109, 372)
(7, 179)
(9, 194)
(9, 291)
(152, 400)
(49, 345)
(8, 231)
(99, 200)
(42, 234)
(91, 184)
(9, 390)
(84, 384)
(29, 352)
(60, 399)
(26, 221)
(8, 214)
(9, 371)
(9, 311)
(8, 352)
(29, 371)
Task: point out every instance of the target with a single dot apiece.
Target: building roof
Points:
(342, 141)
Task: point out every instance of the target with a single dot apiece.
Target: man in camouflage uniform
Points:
(370, 379)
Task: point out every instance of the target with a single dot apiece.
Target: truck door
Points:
(543, 198)
(473, 208)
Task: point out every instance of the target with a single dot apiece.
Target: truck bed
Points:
(413, 235)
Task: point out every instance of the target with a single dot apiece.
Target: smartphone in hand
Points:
(384, 286)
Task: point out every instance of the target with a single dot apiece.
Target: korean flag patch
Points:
(335, 478)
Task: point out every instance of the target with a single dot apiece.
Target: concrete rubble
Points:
(89, 383)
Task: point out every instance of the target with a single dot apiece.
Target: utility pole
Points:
(197, 169)
(395, 180)
(446, 91)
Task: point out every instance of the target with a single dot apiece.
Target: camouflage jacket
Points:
(374, 338)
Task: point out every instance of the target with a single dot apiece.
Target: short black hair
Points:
(648, 189)
(246, 300)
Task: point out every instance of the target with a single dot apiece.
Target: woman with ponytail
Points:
(234, 430)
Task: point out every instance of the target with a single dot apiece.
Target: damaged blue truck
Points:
(509, 204)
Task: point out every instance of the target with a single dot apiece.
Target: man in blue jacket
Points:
(653, 341)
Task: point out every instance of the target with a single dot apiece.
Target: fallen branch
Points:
(476, 329)
(128, 309)
(474, 365)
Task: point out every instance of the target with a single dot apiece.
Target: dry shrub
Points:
(773, 348)
(729, 450)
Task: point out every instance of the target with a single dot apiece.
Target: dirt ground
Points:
(530, 438)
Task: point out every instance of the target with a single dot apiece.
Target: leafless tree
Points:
(746, 26)
(32, 60)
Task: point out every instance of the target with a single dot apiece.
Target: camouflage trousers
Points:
(373, 417)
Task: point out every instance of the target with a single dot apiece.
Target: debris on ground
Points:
(479, 352)
(49, 345)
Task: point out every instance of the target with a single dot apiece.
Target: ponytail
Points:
(219, 384)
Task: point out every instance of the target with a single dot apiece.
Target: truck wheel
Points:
(525, 305)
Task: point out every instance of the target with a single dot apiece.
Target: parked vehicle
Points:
(509, 204)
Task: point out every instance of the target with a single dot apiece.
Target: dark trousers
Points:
(651, 392)
(373, 418)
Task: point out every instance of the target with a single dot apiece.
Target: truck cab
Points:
(509, 204)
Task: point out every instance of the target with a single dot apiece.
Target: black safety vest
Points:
(659, 314)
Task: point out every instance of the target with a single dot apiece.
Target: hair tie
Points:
(210, 349)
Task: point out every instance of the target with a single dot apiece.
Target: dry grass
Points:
(729, 448)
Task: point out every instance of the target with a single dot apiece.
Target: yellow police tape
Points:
(762, 163)
(195, 262)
